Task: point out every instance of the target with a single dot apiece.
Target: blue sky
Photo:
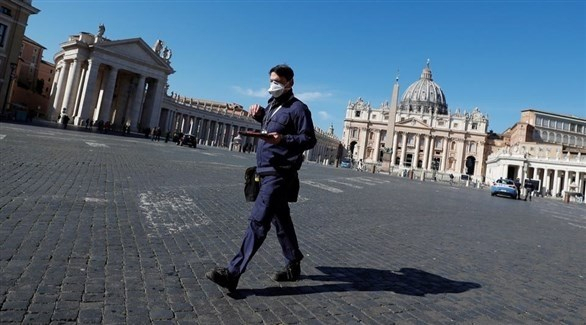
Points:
(499, 56)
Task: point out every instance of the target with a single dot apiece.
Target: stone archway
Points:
(470, 165)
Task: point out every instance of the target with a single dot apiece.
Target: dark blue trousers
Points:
(271, 206)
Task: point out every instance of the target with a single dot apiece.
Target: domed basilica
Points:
(418, 133)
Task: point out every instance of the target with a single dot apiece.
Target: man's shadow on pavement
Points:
(407, 281)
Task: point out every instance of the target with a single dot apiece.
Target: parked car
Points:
(504, 187)
(346, 163)
(188, 140)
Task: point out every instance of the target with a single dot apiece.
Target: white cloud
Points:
(311, 96)
(324, 115)
(260, 93)
(263, 93)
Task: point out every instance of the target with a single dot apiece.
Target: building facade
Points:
(14, 16)
(31, 90)
(545, 147)
(116, 82)
(417, 133)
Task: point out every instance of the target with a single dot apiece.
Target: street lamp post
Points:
(10, 78)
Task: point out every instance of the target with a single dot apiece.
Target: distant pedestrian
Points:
(158, 133)
(518, 186)
(87, 123)
(451, 179)
(65, 121)
(529, 188)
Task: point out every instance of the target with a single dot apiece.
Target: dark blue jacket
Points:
(293, 121)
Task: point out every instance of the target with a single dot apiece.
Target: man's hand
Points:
(254, 109)
(273, 138)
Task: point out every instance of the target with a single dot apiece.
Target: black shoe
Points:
(223, 278)
(291, 272)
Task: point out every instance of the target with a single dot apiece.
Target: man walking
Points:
(529, 187)
(288, 131)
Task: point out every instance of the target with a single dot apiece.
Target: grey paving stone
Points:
(125, 234)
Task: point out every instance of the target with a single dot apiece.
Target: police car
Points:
(504, 187)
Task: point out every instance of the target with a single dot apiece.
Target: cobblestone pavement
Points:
(108, 229)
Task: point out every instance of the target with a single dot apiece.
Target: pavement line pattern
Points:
(360, 180)
(97, 145)
(374, 180)
(323, 186)
(344, 183)
(160, 207)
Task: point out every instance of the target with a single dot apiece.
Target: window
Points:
(474, 126)
(440, 123)
(538, 121)
(356, 113)
(455, 125)
(6, 11)
(438, 144)
(411, 140)
(373, 116)
(3, 33)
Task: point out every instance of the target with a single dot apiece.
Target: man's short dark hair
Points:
(283, 70)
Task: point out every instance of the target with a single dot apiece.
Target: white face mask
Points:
(276, 89)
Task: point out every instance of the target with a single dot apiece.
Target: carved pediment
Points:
(136, 50)
(414, 123)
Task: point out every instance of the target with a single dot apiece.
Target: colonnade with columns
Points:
(555, 175)
(450, 153)
(217, 124)
(554, 180)
(208, 131)
(100, 91)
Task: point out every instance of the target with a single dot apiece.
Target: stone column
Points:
(403, 148)
(566, 180)
(444, 154)
(53, 96)
(461, 155)
(415, 159)
(425, 163)
(545, 183)
(80, 86)
(106, 105)
(88, 98)
(58, 104)
(72, 87)
(376, 149)
(155, 107)
(556, 183)
(137, 103)
(431, 151)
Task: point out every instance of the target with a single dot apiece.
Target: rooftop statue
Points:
(101, 30)
(158, 47)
